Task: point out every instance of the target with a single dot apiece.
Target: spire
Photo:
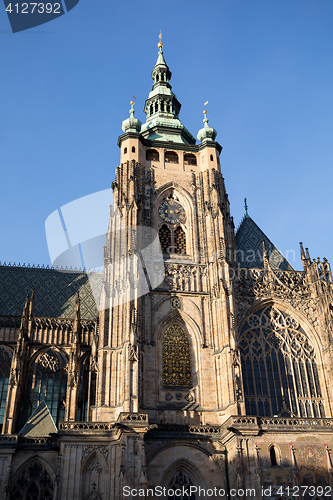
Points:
(162, 107)
(264, 254)
(32, 303)
(131, 124)
(308, 256)
(304, 260)
(25, 316)
(77, 320)
(206, 133)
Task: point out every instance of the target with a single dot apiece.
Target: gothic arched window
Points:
(273, 457)
(176, 358)
(180, 240)
(165, 238)
(182, 483)
(5, 364)
(47, 381)
(279, 367)
(33, 483)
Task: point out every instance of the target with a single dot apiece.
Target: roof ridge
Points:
(245, 216)
(49, 267)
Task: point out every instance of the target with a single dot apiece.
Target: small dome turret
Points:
(131, 124)
(206, 133)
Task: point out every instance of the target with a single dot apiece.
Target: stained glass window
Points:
(33, 483)
(176, 358)
(279, 366)
(47, 381)
(5, 364)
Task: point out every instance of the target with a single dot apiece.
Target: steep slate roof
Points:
(40, 424)
(55, 292)
(249, 247)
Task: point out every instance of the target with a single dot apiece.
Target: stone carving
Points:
(58, 470)
(94, 466)
(89, 449)
(133, 352)
(93, 495)
(185, 277)
(50, 361)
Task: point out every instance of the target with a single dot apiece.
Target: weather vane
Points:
(160, 44)
(246, 206)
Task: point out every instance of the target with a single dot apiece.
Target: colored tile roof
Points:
(55, 291)
(249, 247)
(40, 424)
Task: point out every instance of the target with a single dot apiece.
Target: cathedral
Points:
(213, 382)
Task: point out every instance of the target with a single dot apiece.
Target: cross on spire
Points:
(246, 206)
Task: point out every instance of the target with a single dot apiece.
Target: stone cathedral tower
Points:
(214, 374)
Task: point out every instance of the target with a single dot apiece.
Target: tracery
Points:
(181, 483)
(279, 367)
(176, 357)
(47, 381)
(33, 483)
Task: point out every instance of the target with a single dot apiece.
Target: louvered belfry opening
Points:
(165, 238)
(180, 240)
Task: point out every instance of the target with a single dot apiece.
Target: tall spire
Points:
(162, 107)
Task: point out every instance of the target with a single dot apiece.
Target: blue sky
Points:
(265, 66)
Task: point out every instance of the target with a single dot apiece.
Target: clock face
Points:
(171, 211)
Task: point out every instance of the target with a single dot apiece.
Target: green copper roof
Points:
(249, 247)
(162, 109)
(131, 124)
(206, 133)
(55, 292)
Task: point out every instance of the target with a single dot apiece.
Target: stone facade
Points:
(218, 378)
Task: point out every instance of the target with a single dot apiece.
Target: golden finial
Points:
(160, 44)
(132, 103)
(205, 111)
